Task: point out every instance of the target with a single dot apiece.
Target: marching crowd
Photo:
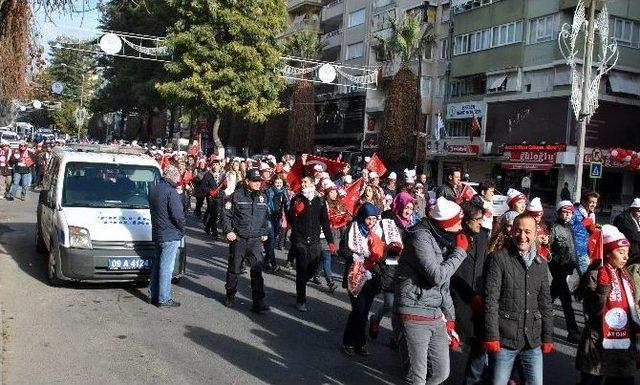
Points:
(451, 275)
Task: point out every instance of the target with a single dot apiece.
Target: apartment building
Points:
(507, 71)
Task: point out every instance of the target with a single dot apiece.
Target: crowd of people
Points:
(22, 168)
(451, 274)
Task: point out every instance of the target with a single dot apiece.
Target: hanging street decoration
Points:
(57, 88)
(628, 158)
(121, 44)
(316, 71)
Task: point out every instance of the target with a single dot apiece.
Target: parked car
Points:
(11, 137)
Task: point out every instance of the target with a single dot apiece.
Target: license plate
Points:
(128, 264)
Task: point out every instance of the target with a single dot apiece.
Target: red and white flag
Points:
(474, 128)
(350, 199)
(376, 165)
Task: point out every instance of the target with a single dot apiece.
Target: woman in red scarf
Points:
(608, 350)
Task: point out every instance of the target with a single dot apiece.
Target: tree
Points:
(129, 83)
(406, 43)
(64, 118)
(225, 58)
(302, 112)
(69, 67)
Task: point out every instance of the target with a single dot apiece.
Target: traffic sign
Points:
(595, 170)
(596, 155)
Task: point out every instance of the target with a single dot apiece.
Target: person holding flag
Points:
(22, 163)
(609, 346)
(213, 184)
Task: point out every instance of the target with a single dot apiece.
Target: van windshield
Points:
(107, 185)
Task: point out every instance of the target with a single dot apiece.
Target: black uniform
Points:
(210, 182)
(245, 213)
(198, 192)
(305, 238)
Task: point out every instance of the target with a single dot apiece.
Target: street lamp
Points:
(584, 85)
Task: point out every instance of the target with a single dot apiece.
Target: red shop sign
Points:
(533, 157)
(463, 149)
(536, 147)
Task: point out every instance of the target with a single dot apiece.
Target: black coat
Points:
(167, 212)
(245, 213)
(629, 227)
(446, 191)
(306, 226)
(209, 183)
(467, 282)
(518, 310)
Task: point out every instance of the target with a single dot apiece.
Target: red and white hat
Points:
(535, 206)
(328, 185)
(514, 196)
(317, 168)
(612, 239)
(373, 174)
(635, 204)
(564, 206)
(393, 176)
(264, 166)
(446, 213)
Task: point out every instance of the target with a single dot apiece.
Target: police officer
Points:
(245, 225)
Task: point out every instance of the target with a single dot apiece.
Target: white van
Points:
(93, 215)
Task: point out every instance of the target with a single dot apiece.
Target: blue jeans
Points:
(270, 247)
(476, 369)
(161, 271)
(386, 307)
(324, 263)
(531, 360)
(23, 180)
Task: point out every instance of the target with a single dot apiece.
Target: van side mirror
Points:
(43, 198)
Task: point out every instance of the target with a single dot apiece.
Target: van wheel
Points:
(52, 267)
(40, 246)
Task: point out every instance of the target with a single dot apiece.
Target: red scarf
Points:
(618, 311)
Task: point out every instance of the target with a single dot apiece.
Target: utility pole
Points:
(584, 96)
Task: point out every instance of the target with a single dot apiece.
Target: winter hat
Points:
(347, 179)
(509, 217)
(612, 239)
(367, 159)
(286, 168)
(409, 176)
(373, 174)
(324, 175)
(635, 204)
(264, 167)
(317, 168)
(446, 213)
(328, 185)
(535, 206)
(393, 176)
(566, 206)
(514, 196)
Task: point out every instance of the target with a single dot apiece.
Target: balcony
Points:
(382, 5)
(571, 4)
(312, 25)
(332, 39)
(301, 6)
(332, 10)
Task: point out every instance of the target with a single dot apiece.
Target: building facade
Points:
(507, 73)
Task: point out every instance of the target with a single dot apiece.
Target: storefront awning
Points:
(526, 166)
(497, 81)
(624, 83)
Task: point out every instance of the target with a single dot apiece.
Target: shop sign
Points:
(536, 147)
(465, 110)
(527, 166)
(370, 141)
(532, 157)
(468, 149)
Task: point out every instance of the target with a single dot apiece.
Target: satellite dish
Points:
(327, 73)
(110, 43)
(37, 104)
(57, 88)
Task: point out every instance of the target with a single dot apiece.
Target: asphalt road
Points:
(108, 334)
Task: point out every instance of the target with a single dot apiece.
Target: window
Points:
(542, 29)
(443, 49)
(425, 86)
(380, 20)
(471, 85)
(488, 38)
(626, 32)
(418, 11)
(440, 90)
(356, 18)
(355, 50)
(458, 128)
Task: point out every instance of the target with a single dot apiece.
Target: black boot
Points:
(259, 307)
(229, 300)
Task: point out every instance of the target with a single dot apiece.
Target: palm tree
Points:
(405, 43)
(302, 114)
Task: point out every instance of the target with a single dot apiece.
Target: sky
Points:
(77, 25)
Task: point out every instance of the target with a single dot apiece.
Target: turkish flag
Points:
(165, 161)
(353, 194)
(467, 192)
(474, 129)
(294, 177)
(595, 246)
(195, 149)
(376, 164)
(332, 166)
